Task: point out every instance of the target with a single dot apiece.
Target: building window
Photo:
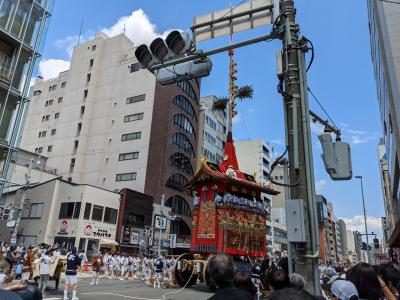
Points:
(51, 102)
(69, 179)
(88, 77)
(43, 118)
(40, 150)
(72, 164)
(91, 62)
(183, 143)
(47, 117)
(134, 117)
(37, 93)
(44, 133)
(78, 129)
(76, 144)
(182, 122)
(179, 205)
(131, 136)
(70, 210)
(49, 148)
(53, 131)
(57, 115)
(94, 48)
(181, 162)
(188, 89)
(126, 176)
(85, 94)
(110, 215)
(97, 214)
(52, 88)
(60, 99)
(88, 208)
(134, 67)
(129, 156)
(33, 212)
(82, 110)
(64, 84)
(135, 220)
(176, 182)
(183, 103)
(135, 99)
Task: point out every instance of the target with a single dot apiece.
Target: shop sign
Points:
(160, 222)
(91, 230)
(134, 238)
(172, 240)
(63, 229)
(183, 245)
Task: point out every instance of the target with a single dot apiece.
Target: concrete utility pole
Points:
(365, 217)
(162, 218)
(22, 202)
(298, 136)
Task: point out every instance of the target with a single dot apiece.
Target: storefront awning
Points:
(108, 242)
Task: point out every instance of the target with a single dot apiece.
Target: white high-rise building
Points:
(255, 157)
(351, 246)
(108, 123)
(93, 121)
(212, 131)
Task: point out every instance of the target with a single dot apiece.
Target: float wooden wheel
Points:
(185, 276)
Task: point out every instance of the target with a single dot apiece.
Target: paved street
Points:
(132, 289)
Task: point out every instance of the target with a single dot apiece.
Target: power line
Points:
(320, 105)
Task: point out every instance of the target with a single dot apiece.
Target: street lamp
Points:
(365, 215)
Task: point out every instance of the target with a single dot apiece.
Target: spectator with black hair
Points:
(291, 294)
(242, 281)
(369, 285)
(297, 281)
(278, 279)
(391, 276)
(221, 271)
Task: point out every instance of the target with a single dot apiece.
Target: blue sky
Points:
(341, 76)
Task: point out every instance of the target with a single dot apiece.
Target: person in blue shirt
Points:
(159, 265)
(71, 279)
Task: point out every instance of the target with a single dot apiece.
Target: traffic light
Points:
(376, 243)
(337, 157)
(176, 44)
(364, 246)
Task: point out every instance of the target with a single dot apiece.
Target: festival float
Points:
(229, 213)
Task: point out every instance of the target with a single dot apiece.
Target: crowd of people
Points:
(40, 263)
(361, 281)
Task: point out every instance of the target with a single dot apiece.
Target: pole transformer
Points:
(298, 140)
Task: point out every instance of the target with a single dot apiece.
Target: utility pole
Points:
(161, 225)
(365, 217)
(298, 138)
(22, 202)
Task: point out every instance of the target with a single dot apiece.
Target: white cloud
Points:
(68, 43)
(277, 141)
(356, 223)
(359, 136)
(316, 129)
(319, 184)
(50, 68)
(137, 27)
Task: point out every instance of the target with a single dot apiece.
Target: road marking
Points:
(122, 296)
